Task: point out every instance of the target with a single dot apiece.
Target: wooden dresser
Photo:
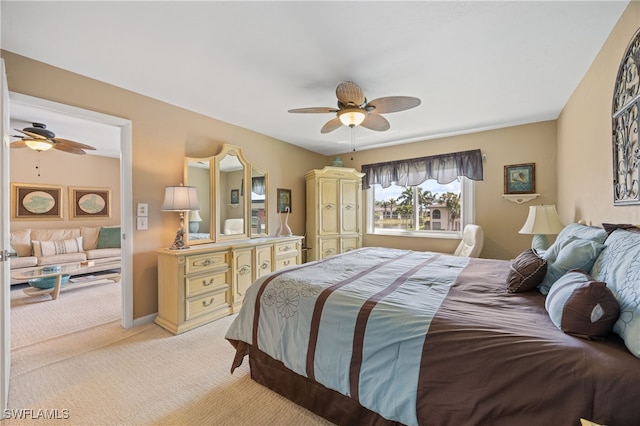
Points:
(208, 281)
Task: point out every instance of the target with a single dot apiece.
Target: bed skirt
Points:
(325, 402)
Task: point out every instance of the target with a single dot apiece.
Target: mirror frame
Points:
(211, 229)
(265, 232)
(218, 196)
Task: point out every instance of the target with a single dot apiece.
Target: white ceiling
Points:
(476, 65)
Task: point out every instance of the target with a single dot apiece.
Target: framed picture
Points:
(36, 202)
(89, 203)
(235, 196)
(284, 200)
(520, 179)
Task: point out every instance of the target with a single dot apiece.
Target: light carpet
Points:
(144, 375)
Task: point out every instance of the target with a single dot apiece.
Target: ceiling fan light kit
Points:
(39, 138)
(38, 144)
(351, 116)
(354, 110)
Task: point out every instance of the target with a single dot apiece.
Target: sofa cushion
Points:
(50, 248)
(103, 253)
(109, 237)
(23, 262)
(21, 242)
(62, 258)
(54, 234)
(90, 237)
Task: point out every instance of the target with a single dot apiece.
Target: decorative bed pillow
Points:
(527, 271)
(575, 254)
(574, 231)
(109, 238)
(610, 227)
(619, 266)
(50, 248)
(582, 307)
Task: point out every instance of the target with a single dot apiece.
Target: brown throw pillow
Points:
(527, 271)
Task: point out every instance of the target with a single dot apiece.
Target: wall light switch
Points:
(143, 223)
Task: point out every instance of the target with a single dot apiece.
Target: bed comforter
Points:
(432, 339)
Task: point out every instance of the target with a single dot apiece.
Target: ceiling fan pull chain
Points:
(38, 162)
(353, 140)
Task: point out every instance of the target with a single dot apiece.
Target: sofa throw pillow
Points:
(619, 267)
(109, 238)
(50, 248)
(527, 271)
(575, 254)
(582, 307)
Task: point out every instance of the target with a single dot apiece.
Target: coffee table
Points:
(58, 272)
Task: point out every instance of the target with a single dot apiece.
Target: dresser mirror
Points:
(233, 197)
(197, 172)
(259, 203)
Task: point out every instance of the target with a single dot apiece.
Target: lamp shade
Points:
(542, 220)
(38, 144)
(180, 199)
(195, 216)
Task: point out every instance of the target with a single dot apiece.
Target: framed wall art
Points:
(520, 179)
(284, 200)
(89, 203)
(235, 196)
(36, 202)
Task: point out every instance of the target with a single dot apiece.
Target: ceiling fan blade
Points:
(350, 93)
(70, 149)
(376, 122)
(31, 134)
(392, 104)
(331, 125)
(72, 144)
(313, 110)
(18, 144)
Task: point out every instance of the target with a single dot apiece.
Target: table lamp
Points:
(543, 220)
(194, 221)
(180, 199)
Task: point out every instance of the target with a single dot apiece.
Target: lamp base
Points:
(178, 243)
(540, 242)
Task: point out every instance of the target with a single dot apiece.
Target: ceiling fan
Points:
(39, 138)
(353, 108)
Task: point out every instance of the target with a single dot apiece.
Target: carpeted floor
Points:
(103, 374)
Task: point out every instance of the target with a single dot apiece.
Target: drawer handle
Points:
(205, 303)
(285, 248)
(264, 265)
(329, 206)
(244, 270)
(329, 251)
(206, 262)
(208, 283)
(348, 207)
(287, 262)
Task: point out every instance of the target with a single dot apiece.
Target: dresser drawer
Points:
(205, 304)
(286, 248)
(285, 262)
(195, 285)
(206, 262)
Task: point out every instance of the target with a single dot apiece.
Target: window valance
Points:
(444, 168)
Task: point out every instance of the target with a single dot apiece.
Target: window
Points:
(429, 209)
(427, 196)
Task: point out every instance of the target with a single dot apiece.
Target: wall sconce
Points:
(180, 199)
(543, 220)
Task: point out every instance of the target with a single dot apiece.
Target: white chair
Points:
(472, 242)
(233, 226)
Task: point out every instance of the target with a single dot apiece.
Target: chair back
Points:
(472, 242)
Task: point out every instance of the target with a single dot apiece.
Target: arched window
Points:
(435, 214)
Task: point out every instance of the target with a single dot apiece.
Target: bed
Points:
(387, 336)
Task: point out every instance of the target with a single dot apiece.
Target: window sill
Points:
(444, 235)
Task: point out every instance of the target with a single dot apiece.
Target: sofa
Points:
(97, 246)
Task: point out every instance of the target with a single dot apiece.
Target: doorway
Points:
(119, 132)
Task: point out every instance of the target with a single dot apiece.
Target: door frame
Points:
(126, 195)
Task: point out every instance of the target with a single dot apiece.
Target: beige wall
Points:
(500, 219)
(66, 170)
(585, 166)
(162, 135)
